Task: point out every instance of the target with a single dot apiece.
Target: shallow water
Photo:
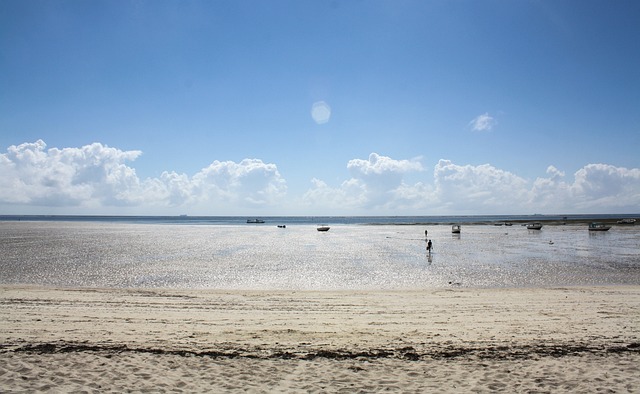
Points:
(96, 254)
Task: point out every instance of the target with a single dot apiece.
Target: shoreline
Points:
(298, 340)
(446, 220)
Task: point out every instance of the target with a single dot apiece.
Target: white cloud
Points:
(380, 165)
(599, 185)
(482, 188)
(250, 182)
(483, 122)
(555, 173)
(67, 177)
(96, 176)
(378, 187)
(551, 193)
(376, 184)
(595, 187)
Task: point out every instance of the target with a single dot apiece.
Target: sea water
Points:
(235, 255)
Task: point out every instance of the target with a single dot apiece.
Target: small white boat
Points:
(455, 229)
(598, 227)
(323, 227)
(534, 226)
(254, 221)
(627, 221)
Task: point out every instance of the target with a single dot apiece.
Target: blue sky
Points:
(319, 107)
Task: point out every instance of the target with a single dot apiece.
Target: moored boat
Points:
(534, 226)
(323, 227)
(627, 221)
(598, 227)
(254, 221)
(455, 229)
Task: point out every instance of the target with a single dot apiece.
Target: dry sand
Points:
(447, 340)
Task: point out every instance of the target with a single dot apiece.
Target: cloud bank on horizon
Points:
(98, 179)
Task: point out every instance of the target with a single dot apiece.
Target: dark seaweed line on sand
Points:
(406, 353)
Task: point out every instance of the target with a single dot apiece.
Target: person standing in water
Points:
(429, 246)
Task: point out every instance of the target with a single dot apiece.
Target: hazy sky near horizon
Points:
(351, 107)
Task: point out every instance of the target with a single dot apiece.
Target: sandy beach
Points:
(574, 339)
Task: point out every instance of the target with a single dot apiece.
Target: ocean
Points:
(357, 253)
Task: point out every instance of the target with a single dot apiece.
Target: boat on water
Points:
(323, 227)
(534, 226)
(455, 229)
(598, 227)
(627, 221)
(255, 221)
